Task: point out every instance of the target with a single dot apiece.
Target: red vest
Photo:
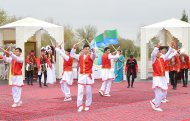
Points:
(106, 63)
(167, 65)
(31, 59)
(68, 64)
(85, 65)
(184, 61)
(158, 67)
(174, 63)
(16, 68)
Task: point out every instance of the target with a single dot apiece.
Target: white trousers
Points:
(159, 96)
(16, 92)
(165, 94)
(106, 86)
(66, 89)
(81, 94)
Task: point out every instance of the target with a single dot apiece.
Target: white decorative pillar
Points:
(188, 40)
(1, 44)
(38, 43)
(144, 56)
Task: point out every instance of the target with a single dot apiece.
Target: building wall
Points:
(9, 34)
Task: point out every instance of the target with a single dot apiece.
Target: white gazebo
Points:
(20, 31)
(178, 29)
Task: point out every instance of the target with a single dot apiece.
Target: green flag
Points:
(111, 34)
(99, 38)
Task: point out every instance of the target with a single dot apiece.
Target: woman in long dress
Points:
(51, 78)
(119, 68)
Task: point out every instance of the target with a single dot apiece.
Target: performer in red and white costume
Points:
(31, 61)
(41, 64)
(16, 74)
(85, 78)
(107, 76)
(173, 53)
(184, 62)
(67, 78)
(174, 67)
(159, 85)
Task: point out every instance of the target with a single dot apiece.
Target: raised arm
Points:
(7, 59)
(154, 53)
(17, 58)
(172, 54)
(62, 54)
(73, 54)
(110, 56)
(93, 54)
(166, 56)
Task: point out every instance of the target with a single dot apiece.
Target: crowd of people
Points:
(166, 63)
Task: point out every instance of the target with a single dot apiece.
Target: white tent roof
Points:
(29, 22)
(169, 23)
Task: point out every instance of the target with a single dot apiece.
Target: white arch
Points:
(27, 27)
(177, 28)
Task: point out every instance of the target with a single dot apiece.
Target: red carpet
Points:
(125, 104)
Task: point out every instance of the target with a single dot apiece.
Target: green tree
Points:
(69, 37)
(135, 54)
(128, 53)
(184, 16)
(3, 17)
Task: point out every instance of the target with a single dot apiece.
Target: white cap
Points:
(48, 47)
(182, 51)
(43, 48)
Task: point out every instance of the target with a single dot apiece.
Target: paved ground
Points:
(125, 104)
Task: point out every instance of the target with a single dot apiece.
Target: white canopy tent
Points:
(179, 29)
(21, 30)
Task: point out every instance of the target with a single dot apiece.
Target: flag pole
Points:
(80, 41)
(114, 48)
(2, 49)
(87, 41)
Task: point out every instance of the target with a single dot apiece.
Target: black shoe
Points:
(183, 85)
(46, 85)
(174, 88)
(128, 87)
(132, 87)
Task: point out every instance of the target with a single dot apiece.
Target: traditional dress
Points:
(16, 77)
(67, 78)
(119, 69)
(42, 69)
(131, 69)
(184, 61)
(85, 78)
(159, 81)
(51, 78)
(167, 67)
(30, 64)
(107, 76)
(174, 68)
